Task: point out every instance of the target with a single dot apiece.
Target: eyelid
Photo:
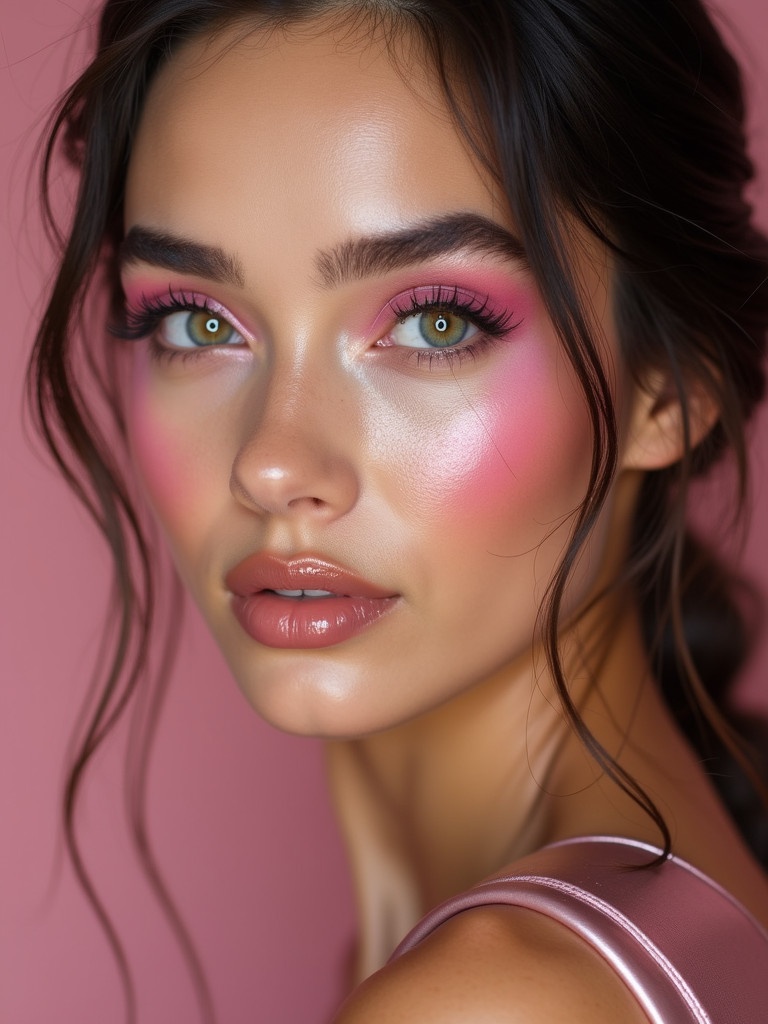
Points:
(411, 301)
(161, 304)
(434, 293)
(476, 309)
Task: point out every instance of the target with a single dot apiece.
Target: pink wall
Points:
(238, 811)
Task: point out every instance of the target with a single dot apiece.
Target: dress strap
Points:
(689, 952)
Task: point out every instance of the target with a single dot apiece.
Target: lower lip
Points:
(303, 624)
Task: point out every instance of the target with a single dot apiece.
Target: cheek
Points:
(514, 457)
(166, 454)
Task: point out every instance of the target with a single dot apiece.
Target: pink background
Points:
(238, 811)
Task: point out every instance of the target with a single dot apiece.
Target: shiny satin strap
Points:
(684, 946)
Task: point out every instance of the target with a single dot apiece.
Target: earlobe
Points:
(656, 436)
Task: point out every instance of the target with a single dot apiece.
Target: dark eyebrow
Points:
(364, 257)
(351, 260)
(143, 245)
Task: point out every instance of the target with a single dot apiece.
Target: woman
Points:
(424, 318)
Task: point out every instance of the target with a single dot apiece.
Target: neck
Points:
(431, 807)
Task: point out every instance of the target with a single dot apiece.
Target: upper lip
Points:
(264, 571)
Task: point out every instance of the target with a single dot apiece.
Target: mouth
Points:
(304, 602)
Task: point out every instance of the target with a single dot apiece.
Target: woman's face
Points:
(346, 382)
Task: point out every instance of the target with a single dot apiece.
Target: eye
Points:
(197, 329)
(434, 328)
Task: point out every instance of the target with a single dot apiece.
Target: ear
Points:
(656, 431)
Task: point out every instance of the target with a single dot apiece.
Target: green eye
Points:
(205, 328)
(432, 328)
(441, 329)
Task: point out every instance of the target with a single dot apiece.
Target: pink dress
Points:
(686, 948)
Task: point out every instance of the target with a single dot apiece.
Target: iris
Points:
(204, 328)
(442, 328)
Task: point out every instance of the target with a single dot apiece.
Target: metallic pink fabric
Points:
(686, 948)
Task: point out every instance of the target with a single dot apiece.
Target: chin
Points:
(313, 694)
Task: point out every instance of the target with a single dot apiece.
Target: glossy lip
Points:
(273, 620)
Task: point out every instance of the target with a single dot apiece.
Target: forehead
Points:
(304, 131)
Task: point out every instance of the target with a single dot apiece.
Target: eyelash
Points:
(493, 326)
(143, 321)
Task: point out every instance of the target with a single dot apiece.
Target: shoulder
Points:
(495, 965)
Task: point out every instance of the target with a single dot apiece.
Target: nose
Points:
(295, 460)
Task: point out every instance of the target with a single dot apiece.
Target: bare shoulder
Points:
(495, 965)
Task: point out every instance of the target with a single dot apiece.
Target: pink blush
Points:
(163, 457)
(519, 453)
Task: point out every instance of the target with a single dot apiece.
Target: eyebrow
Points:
(160, 249)
(352, 260)
(380, 254)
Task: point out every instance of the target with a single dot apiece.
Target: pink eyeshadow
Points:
(498, 290)
(140, 290)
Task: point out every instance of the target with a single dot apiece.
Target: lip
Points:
(303, 623)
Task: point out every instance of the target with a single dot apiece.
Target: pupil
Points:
(212, 326)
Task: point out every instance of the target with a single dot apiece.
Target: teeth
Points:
(304, 593)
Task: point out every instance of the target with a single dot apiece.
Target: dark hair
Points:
(629, 118)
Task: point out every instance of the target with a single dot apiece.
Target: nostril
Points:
(307, 500)
(303, 481)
